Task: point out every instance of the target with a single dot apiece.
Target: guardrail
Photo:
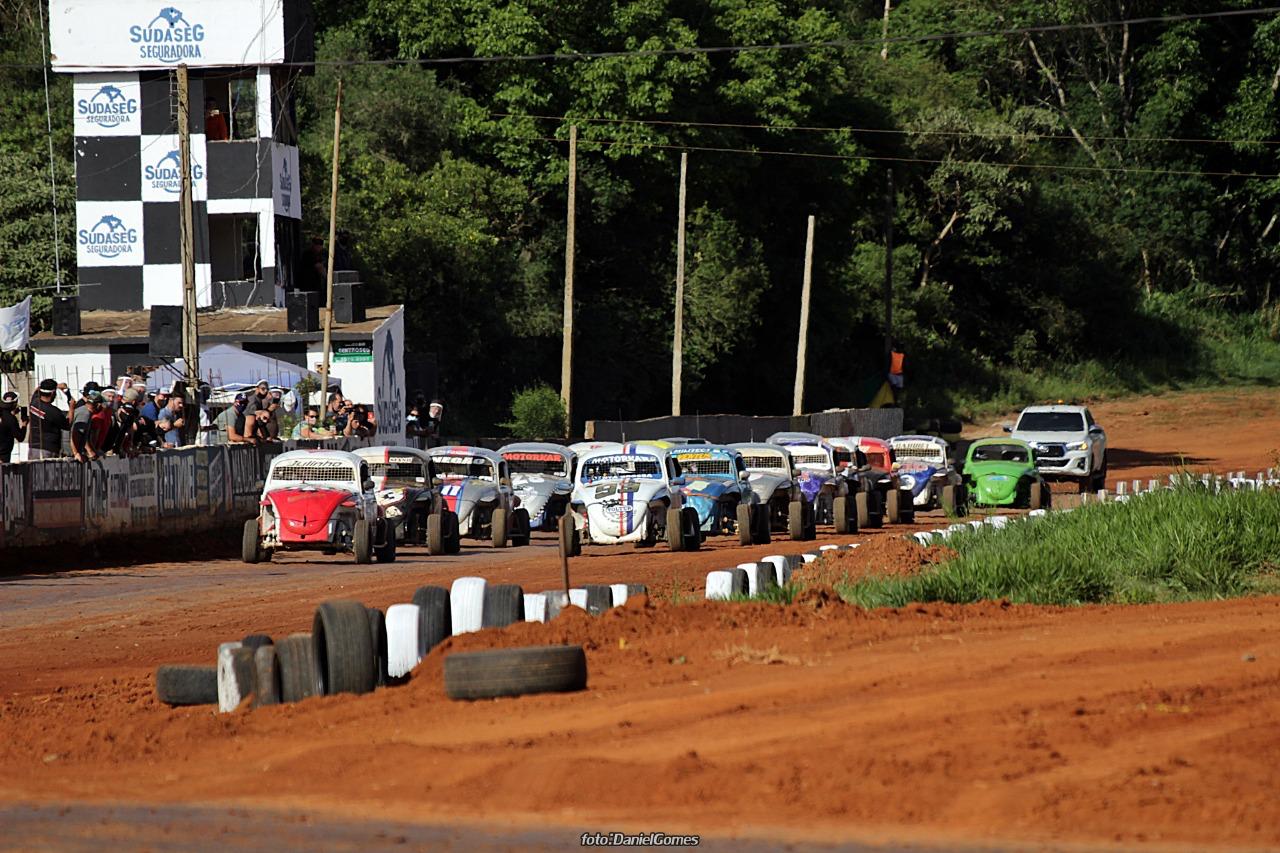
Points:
(183, 490)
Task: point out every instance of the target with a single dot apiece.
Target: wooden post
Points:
(677, 345)
(333, 231)
(566, 341)
(187, 255)
(888, 270)
(797, 403)
(884, 32)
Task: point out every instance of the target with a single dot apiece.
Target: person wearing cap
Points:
(13, 424)
(120, 436)
(259, 398)
(151, 410)
(237, 427)
(48, 423)
(172, 420)
(89, 427)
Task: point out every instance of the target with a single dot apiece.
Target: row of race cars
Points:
(676, 490)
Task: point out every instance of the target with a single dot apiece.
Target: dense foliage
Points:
(1099, 196)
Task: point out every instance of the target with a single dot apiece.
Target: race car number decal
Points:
(451, 489)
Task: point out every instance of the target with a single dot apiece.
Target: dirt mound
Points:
(892, 556)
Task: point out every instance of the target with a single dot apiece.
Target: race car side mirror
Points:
(744, 476)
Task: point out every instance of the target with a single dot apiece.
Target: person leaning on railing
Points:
(48, 422)
(13, 425)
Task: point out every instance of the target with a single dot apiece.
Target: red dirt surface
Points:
(1128, 726)
(894, 556)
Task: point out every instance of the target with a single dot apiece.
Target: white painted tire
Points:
(755, 573)
(976, 525)
(828, 547)
(809, 557)
(403, 642)
(578, 598)
(999, 522)
(556, 601)
(619, 594)
(1037, 513)
(781, 568)
(535, 607)
(719, 585)
(229, 687)
(466, 605)
(922, 538)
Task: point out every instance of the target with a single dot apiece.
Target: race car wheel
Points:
(435, 534)
(1034, 499)
(811, 522)
(692, 529)
(744, 519)
(762, 524)
(840, 515)
(948, 500)
(906, 507)
(861, 510)
(795, 521)
(452, 532)
(675, 529)
(521, 527)
(362, 541)
(570, 539)
(386, 552)
(893, 510)
(498, 528)
(250, 547)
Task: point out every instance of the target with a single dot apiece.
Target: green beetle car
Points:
(1002, 472)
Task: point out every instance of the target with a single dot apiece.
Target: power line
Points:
(880, 130)
(696, 50)
(888, 159)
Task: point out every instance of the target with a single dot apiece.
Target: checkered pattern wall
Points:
(128, 184)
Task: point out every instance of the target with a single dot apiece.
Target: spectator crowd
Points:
(132, 419)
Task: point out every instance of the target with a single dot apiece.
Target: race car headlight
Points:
(908, 481)
(391, 496)
(1078, 445)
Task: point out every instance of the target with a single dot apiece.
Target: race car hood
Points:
(916, 477)
(461, 494)
(305, 511)
(766, 485)
(811, 482)
(535, 490)
(618, 509)
(995, 482)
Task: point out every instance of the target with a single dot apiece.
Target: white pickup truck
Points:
(1069, 445)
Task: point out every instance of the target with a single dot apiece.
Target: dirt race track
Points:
(934, 727)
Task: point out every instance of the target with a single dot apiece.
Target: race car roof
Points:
(467, 450)
(538, 447)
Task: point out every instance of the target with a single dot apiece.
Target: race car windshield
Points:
(618, 467)
(1051, 422)
(464, 466)
(706, 465)
(399, 473)
(544, 464)
(877, 459)
(1000, 453)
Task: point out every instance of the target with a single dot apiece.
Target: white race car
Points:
(475, 485)
(924, 467)
(771, 475)
(542, 476)
(631, 493)
(405, 480)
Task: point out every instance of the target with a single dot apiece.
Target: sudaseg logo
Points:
(286, 183)
(167, 173)
(169, 37)
(109, 238)
(108, 107)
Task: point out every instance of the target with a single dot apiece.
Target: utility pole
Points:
(677, 345)
(888, 269)
(333, 230)
(566, 344)
(186, 229)
(797, 402)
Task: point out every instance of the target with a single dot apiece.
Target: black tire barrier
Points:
(254, 641)
(299, 678)
(266, 682)
(515, 672)
(184, 684)
(503, 605)
(378, 637)
(434, 617)
(343, 648)
(599, 598)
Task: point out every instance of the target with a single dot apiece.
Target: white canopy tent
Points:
(229, 369)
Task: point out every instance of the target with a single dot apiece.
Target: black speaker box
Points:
(66, 315)
(303, 307)
(166, 331)
(346, 276)
(348, 303)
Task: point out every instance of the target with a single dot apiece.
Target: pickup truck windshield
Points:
(1051, 422)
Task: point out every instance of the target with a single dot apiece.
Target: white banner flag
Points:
(15, 326)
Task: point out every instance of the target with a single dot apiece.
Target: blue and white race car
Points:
(718, 487)
(816, 475)
(631, 493)
(924, 467)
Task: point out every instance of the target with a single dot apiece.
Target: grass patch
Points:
(1167, 546)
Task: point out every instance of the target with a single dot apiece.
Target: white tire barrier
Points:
(578, 598)
(556, 601)
(228, 689)
(998, 521)
(466, 605)
(809, 557)
(923, 538)
(781, 568)
(619, 594)
(828, 547)
(719, 585)
(403, 643)
(535, 607)
(760, 576)
(1037, 513)
(976, 525)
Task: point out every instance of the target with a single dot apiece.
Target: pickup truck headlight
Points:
(1078, 445)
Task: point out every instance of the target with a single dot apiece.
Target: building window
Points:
(231, 107)
(234, 254)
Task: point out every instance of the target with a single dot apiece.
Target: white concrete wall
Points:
(75, 366)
